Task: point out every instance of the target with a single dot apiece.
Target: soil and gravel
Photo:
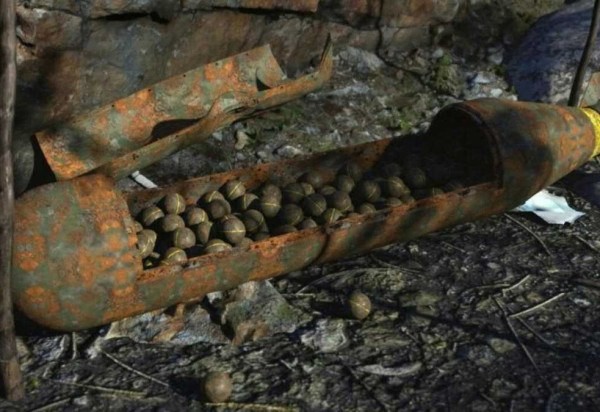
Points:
(450, 327)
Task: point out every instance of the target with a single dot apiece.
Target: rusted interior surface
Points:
(509, 151)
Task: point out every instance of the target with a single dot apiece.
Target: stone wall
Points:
(74, 55)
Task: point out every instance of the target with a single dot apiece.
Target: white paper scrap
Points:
(551, 208)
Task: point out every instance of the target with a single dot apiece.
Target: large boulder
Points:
(542, 67)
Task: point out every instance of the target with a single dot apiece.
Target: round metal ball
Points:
(173, 203)
(233, 189)
(366, 208)
(150, 215)
(137, 226)
(253, 220)
(366, 191)
(313, 178)
(308, 189)
(330, 216)
(293, 193)
(269, 205)
(217, 387)
(183, 238)
(344, 183)
(245, 202)
(314, 205)
(216, 245)
(307, 223)
(388, 202)
(339, 200)
(210, 196)
(353, 170)
(359, 305)
(415, 177)
(232, 229)
(394, 187)
(270, 190)
(146, 240)
(290, 214)
(194, 216)
(174, 256)
(204, 232)
(218, 208)
(170, 222)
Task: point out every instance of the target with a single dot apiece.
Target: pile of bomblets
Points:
(170, 232)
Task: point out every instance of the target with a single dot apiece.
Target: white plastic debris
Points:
(551, 208)
(142, 180)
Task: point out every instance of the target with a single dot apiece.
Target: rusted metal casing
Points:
(137, 130)
(76, 265)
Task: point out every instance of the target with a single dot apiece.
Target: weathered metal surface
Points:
(530, 146)
(74, 252)
(123, 131)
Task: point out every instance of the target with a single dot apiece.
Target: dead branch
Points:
(9, 367)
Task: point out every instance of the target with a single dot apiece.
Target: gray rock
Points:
(419, 298)
(255, 310)
(289, 151)
(363, 60)
(192, 324)
(501, 346)
(502, 389)
(480, 355)
(328, 336)
(51, 348)
(543, 65)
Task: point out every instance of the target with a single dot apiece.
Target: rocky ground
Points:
(442, 335)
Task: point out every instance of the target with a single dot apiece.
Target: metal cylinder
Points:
(76, 265)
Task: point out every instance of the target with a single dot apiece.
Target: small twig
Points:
(585, 242)
(487, 398)
(536, 307)
(516, 285)
(137, 372)
(254, 407)
(52, 405)
(114, 391)
(535, 235)
(364, 385)
(520, 244)
(298, 295)
(587, 282)
(520, 342)
(535, 333)
(383, 263)
(338, 274)
(486, 287)
(451, 246)
(73, 345)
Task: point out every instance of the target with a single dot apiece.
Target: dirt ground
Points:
(442, 334)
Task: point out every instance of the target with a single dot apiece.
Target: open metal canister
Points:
(76, 265)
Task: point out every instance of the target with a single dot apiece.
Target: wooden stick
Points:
(520, 342)
(9, 365)
(535, 235)
(137, 372)
(536, 307)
